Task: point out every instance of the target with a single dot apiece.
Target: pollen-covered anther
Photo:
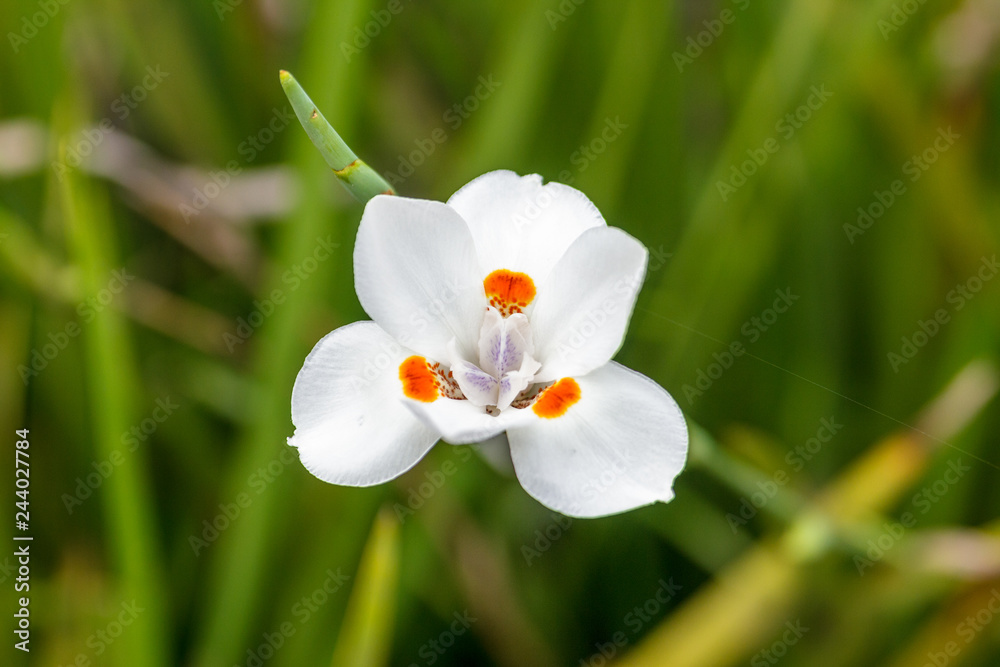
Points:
(509, 291)
(556, 399)
(447, 385)
(528, 397)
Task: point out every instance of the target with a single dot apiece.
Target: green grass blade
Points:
(242, 556)
(127, 501)
(366, 634)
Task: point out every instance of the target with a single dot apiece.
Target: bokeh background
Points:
(817, 184)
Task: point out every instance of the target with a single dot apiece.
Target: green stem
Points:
(360, 180)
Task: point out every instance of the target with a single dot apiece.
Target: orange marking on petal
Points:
(419, 382)
(509, 291)
(556, 400)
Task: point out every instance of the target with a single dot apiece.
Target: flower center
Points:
(505, 374)
(506, 366)
(508, 291)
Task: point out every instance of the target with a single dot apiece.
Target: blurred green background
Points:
(817, 184)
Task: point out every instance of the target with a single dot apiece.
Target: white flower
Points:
(496, 312)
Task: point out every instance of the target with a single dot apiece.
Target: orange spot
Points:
(419, 382)
(556, 400)
(509, 291)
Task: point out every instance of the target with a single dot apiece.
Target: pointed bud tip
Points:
(284, 75)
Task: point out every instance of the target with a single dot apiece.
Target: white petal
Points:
(521, 225)
(619, 447)
(350, 427)
(582, 310)
(417, 274)
(463, 423)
